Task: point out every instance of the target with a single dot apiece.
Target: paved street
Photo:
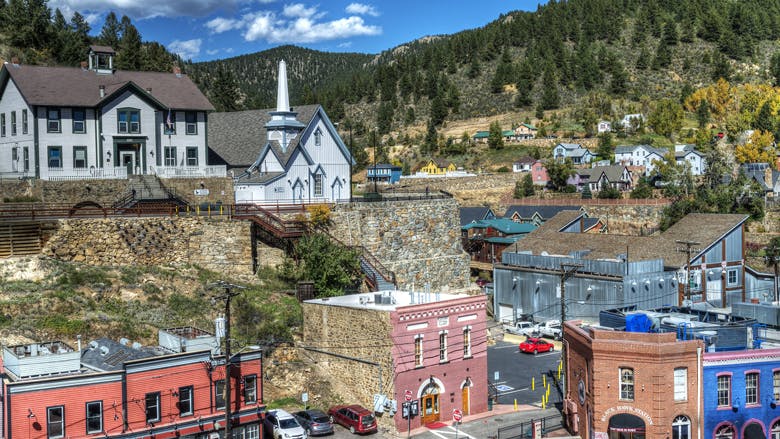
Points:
(517, 371)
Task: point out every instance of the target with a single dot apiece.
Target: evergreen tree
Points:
(474, 68)
(26, 24)
(109, 35)
(550, 99)
(75, 41)
(642, 189)
(774, 67)
(225, 94)
(495, 136)
(703, 114)
(643, 60)
(764, 120)
(586, 192)
(605, 151)
(618, 85)
(156, 58)
(129, 53)
(431, 144)
(438, 110)
(667, 117)
(524, 187)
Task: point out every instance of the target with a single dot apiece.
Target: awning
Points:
(624, 422)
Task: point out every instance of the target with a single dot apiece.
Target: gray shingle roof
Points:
(472, 214)
(237, 138)
(76, 87)
(701, 227)
(546, 212)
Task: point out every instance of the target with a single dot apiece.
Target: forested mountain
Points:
(598, 57)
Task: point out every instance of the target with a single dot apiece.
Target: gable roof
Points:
(624, 149)
(684, 151)
(474, 214)
(526, 160)
(529, 126)
(482, 134)
(580, 152)
(545, 212)
(705, 228)
(503, 225)
(76, 87)
(569, 145)
(613, 172)
(239, 137)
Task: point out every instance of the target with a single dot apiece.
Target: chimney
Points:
(83, 65)
(177, 71)
(149, 90)
(15, 60)
(102, 91)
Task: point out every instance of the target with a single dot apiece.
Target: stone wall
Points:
(106, 192)
(215, 244)
(419, 240)
(219, 189)
(333, 329)
(629, 220)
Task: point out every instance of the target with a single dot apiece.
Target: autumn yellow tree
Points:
(759, 149)
(719, 96)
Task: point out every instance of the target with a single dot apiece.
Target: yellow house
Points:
(437, 167)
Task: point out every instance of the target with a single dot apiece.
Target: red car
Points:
(354, 417)
(535, 345)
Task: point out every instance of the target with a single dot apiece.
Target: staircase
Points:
(374, 277)
(147, 189)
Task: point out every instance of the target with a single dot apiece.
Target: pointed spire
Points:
(282, 98)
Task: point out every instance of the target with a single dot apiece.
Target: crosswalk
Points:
(450, 432)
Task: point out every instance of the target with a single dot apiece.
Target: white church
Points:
(286, 156)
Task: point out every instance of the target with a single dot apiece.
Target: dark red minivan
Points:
(354, 417)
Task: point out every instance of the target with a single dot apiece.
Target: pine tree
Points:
(75, 41)
(605, 151)
(224, 90)
(703, 113)
(774, 67)
(431, 144)
(550, 99)
(586, 193)
(129, 53)
(495, 136)
(528, 185)
(764, 120)
(109, 35)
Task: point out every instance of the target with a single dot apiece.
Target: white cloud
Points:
(147, 9)
(362, 9)
(188, 49)
(212, 52)
(345, 44)
(299, 24)
(219, 24)
(299, 10)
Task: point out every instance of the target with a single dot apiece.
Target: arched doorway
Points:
(626, 426)
(430, 403)
(776, 430)
(754, 430)
(725, 432)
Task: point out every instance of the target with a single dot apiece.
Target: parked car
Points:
(522, 328)
(354, 417)
(314, 422)
(280, 424)
(551, 329)
(533, 345)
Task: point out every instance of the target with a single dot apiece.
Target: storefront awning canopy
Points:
(625, 422)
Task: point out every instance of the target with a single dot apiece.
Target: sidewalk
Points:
(501, 415)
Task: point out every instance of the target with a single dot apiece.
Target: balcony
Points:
(189, 171)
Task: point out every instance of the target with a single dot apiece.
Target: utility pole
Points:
(772, 257)
(376, 190)
(567, 271)
(689, 249)
(226, 294)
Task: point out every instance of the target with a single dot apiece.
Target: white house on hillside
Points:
(61, 123)
(640, 155)
(282, 156)
(573, 151)
(688, 154)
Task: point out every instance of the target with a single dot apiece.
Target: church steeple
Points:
(283, 126)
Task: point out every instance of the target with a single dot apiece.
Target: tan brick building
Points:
(628, 385)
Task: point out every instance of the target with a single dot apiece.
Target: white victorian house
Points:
(687, 154)
(640, 155)
(282, 156)
(60, 123)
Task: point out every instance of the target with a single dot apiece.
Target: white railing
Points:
(61, 174)
(189, 171)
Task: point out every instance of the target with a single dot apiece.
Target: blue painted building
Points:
(741, 393)
(383, 173)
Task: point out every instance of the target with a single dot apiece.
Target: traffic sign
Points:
(457, 415)
(408, 395)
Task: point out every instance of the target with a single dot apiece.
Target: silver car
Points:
(314, 422)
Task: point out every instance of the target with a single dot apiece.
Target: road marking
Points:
(504, 388)
(504, 347)
(447, 434)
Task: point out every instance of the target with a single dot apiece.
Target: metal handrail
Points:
(370, 260)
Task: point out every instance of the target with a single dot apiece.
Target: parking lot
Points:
(521, 376)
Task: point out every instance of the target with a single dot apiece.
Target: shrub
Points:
(503, 169)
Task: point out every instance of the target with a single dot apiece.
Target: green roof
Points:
(482, 135)
(508, 133)
(503, 239)
(529, 126)
(503, 225)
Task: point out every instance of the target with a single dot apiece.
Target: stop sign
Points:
(457, 415)
(408, 395)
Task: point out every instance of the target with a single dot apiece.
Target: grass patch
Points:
(285, 403)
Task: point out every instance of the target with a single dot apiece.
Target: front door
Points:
(127, 159)
(430, 408)
(465, 396)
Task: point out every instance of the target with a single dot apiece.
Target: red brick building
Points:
(117, 390)
(629, 385)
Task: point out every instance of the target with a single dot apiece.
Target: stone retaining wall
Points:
(107, 192)
(419, 240)
(332, 329)
(214, 244)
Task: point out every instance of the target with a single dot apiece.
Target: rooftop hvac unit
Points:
(104, 350)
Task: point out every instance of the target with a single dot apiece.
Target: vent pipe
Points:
(102, 91)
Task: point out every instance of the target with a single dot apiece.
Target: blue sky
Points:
(204, 30)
